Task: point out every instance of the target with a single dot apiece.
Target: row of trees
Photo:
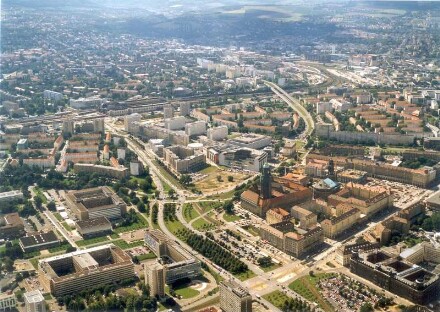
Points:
(216, 253)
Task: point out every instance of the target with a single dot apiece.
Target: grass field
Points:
(209, 205)
(124, 245)
(271, 267)
(306, 287)
(66, 226)
(202, 225)
(245, 276)
(186, 291)
(277, 298)
(91, 241)
(58, 216)
(230, 217)
(141, 224)
(252, 230)
(59, 248)
(189, 213)
(146, 256)
(174, 226)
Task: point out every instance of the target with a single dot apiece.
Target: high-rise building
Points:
(34, 301)
(68, 126)
(234, 298)
(155, 279)
(130, 122)
(98, 125)
(168, 111)
(185, 108)
(265, 182)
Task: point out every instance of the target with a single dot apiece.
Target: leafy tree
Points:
(366, 307)
(52, 206)
(185, 179)
(230, 178)
(228, 207)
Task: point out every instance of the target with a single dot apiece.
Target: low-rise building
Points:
(119, 172)
(251, 140)
(11, 226)
(277, 215)
(94, 227)
(84, 269)
(96, 202)
(397, 276)
(307, 219)
(344, 253)
(39, 242)
(7, 301)
(336, 225)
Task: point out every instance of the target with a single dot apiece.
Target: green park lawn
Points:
(245, 275)
(277, 298)
(230, 217)
(189, 213)
(91, 241)
(202, 225)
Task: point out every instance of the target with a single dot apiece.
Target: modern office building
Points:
(237, 157)
(183, 159)
(234, 298)
(398, 276)
(7, 302)
(96, 202)
(34, 301)
(94, 227)
(39, 242)
(11, 226)
(85, 269)
(177, 263)
(251, 140)
(155, 278)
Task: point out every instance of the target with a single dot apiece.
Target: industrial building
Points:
(85, 269)
(96, 202)
(234, 298)
(177, 263)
